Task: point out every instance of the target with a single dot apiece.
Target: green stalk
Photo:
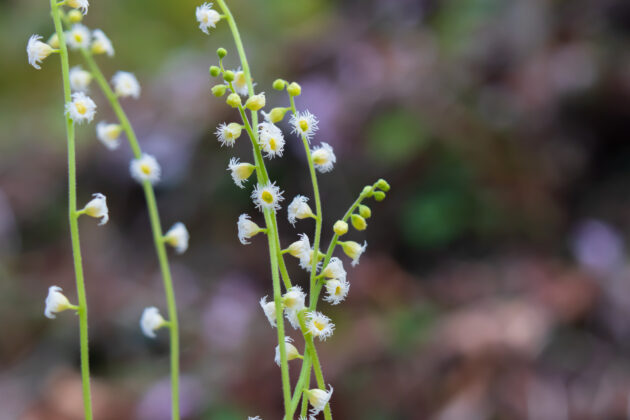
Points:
(74, 226)
(156, 228)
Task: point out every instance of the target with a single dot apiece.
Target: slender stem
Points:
(74, 227)
(156, 229)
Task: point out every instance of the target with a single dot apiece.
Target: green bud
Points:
(214, 71)
(294, 89)
(279, 84)
(228, 76)
(379, 195)
(277, 114)
(233, 100)
(358, 222)
(365, 211)
(367, 191)
(340, 227)
(382, 184)
(75, 16)
(219, 90)
(221, 52)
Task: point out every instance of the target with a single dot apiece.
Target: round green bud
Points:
(219, 90)
(233, 100)
(379, 195)
(294, 89)
(75, 16)
(214, 71)
(367, 191)
(279, 84)
(365, 211)
(358, 222)
(228, 76)
(383, 185)
(277, 114)
(340, 227)
(221, 52)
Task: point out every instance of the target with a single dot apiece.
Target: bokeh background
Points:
(496, 284)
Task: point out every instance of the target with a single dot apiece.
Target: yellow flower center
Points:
(267, 197)
(81, 108)
(303, 125)
(145, 169)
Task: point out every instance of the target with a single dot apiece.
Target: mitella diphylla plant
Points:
(325, 271)
(144, 168)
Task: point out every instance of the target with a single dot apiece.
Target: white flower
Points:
(81, 108)
(145, 168)
(240, 171)
(318, 399)
(293, 301)
(298, 209)
(97, 207)
(126, 84)
(299, 247)
(79, 4)
(246, 228)
(80, 79)
(109, 134)
(323, 158)
(37, 51)
(101, 43)
(353, 250)
(151, 321)
(207, 17)
(270, 310)
(337, 290)
(78, 37)
(56, 302)
(178, 237)
(240, 82)
(319, 325)
(291, 351)
(228, 133)
(334, 269)
(267, 196)
(270, 139)
(304, 124)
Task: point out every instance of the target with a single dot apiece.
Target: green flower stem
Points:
(82, 310)
(156, 227)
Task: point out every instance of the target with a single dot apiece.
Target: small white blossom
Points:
(178, 237)
(56, 302)
(146, 168)
(228, 133)
(109, 134)
(291, 351)
(323, 158)
(78, 37)
(97, 208)
(126, 84)
(271, 139)
(319, 325)
(337, 290)
(353, 250)
(37, 51)
(240, 171)
(101, 43)
(246, 228)
(80, 79)
(270, 310)
(298, 209)
(267, 196)
(318, 399)
(294, 302)
(151, 321)
(334, 269)
(79, 4)
(82, 108)
(304, 124)
(207, 17)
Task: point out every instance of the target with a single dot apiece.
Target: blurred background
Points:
(496, 284)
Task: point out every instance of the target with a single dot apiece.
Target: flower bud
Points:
(340, 227)
(277, 114)
(219, 90)
(214, 71)
(379, 195)
(294, 89)
(365, 211)
(221, 52)
(358, 222)
(233, 100)
(75, 16)
(383, 185)
(279, 84)
(256, 102)
(228, 76)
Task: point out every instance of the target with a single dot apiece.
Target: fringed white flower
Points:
(109, 134)
(267, 196)
(177, 237)
(126, 84)
(247, 229)
(56, 302)
(353, 250)
(291, 351)
(298, 209)
(294, 302)
(269, 308)
(271, 139)
(319, 325)
(304, 124)
(80, 79)
(151, 321)
(78, 37)
(323, 158)
(337, 290)
(334, 269)
(81, 108)
(207, 17)
(318, 399)
(37, 51)
(97, 208)
(240, 171)
(228, 133)
(146, 168)
(101, 43)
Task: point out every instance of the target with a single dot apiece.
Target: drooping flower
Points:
(97, 208)
(37, 51)
(151, 321)
(304, 124)
(291, 351)
(80, 79)
(101, 43)
(270, 310)
(298, 209)
(79, 4)
(294, 302)
(109, 134)
(177, 237)
(353, 250)
(271, 139)
(240, 171)
(78, 37)
(267, 196)
(246, 228)
(207, 17)
(82, 108)
(323, 158)
(318, 399)
(228, 133)
(319, 325)
(334, 269)
(145, 168)
(337, 290)
(126, 84)
(56, 302)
